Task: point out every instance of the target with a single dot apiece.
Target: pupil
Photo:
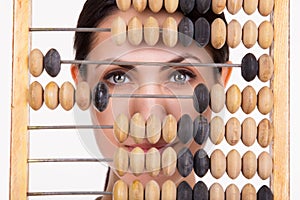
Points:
(180, 77)
(119, 78)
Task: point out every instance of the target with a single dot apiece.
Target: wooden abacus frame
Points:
(19, 109)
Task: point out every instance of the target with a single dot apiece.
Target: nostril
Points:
(158, 110)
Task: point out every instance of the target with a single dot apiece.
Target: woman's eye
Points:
(117, 78)
(180, 76)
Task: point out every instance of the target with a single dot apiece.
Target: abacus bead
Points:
(201, 163)
(171, 5)
(186, 6)
(121, 127)
(202, 32)
(249, 165)
(217, 163)
(137, 128)
(118, 31)
(168, 190)
(248, 192)
(168, 161)
(250, 6)
(184, 191)
(203, 6)
(234, 6)
(216, 192)
(155, 5)
(136, 190)
(234, 33)
(265, 7)
(137, 161)
(121, 161)
(152, 190)
(169, 129)
(264, 193)
(250, 34)
(185, 129)
(249, 99)
(139, 5)
(83, 95)
(232, 192)
(217, 98)
(52, 62)
(185, 162)
(217, 130)
(201, 129)
(35, 95)
(266, 68)
(265, 100)
(153, 161)
(265, 165)
(234, 164)
(153, 129)
(218, 6)
(249, 131)
(249, 67)
(120, 190)
(233, 131)
(186, 31)
(100, 96)
(265, 34)
(233, 98)
(170, 34)
(135, 31)
(265, 133)
(200, 191)
(123, 5)
(218, 33)
(201, 98)
(151, 31)
(36, 59)
(67, 96)
(51, 95)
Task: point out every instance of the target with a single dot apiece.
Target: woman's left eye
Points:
(181, 76)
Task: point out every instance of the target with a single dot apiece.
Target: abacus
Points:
(271, 101)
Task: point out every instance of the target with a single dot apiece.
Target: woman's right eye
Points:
(117, 77)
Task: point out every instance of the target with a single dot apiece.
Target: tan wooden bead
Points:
(234, 164)
(153, 161)
(137, 128)
(217, 130)
(121, 161)
(136, 190)
(139, 5)
(218, 6)
(234, 6)
(170, 33)
(153, 129)
(151, 31)
(249, 99)
(51, 95)
(135, 31)
(265, 165)
(218, 33)
(249, 164)
(171, 5)
(249, 131)
(234, 33)
(265, 100)
(233, 131)
(168, 190)
(248, 192)
(121, 127)
(250, 6)
(265, 34)
(35, 95)
(118, 31)
(67, 96)
(120, 190)
(137, 161)
(152, 191)
(265, 7)
(168, 161)
(155, 5)
(217, 98)
(233, 98)
(123, 5)
(265, 133)
(232, 192)
(216, 192)
(217, 164)
(250, 34)
(169, 129)
(266, 68)
(83, 95)
(36, 59)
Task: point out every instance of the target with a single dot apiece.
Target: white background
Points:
(5, 95)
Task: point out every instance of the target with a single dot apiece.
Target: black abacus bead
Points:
(187, 6)
(264, 193)
(52, 62)
(200, 191)
(184, 191)
(186, 31)
(200, 129)
(185, 129)
(185, 162)
(201, 98)
(203, 6)
(100, 96)
(201, 163)
(249, 67)
(202, 32)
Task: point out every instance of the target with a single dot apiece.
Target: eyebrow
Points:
(179, 59)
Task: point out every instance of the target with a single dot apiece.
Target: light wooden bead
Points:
(121, 161)
(153, 160)
(218, 6)
(265, 165)
(136, 190)
(249, 99)
(153, 129)
(83, 95)
(265, 100)
(123, 5)
(135, 31)
(266, 68)
(120, 190)
(265, 7)
(234, 164)
(217, 164)
(216, 192)
(51, 95)
(171, 5)
(249, 131)
(67, 96)
(169, 129)
(250, 6)
(168, 161)
(151, 31)
(232, 192)
(233, 131)
(217, 130)
(233, 98)
(248, 192)
(118, 31)
(249, 165)
(35, 95)
(168, 190)
(218, 33)
(250, 34)
(121, 127)
(36, 60)
(234, 33)
(137, 161)
(265, 34)
(265, 133)
(155, 5)
(137, 128)
(170, 34)
(234, 6)
(152, 191)
(139, 5)
(217, 98)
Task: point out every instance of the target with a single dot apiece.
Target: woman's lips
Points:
(146, 146)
